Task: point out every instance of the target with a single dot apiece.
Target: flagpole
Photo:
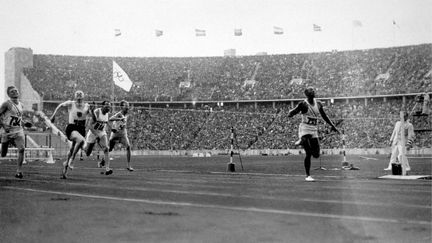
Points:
(112, 88)
(313, 39)
(117, 33)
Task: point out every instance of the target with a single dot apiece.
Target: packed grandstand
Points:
(191, 103)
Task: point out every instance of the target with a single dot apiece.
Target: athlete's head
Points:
(405, 115)
(310, 92)
(106, 106)
(124, 105)
(12, 92)
(79, 95)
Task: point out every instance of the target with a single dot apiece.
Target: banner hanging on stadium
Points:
(357, 23)
(199, 32)
(120, 78)
(316, 27)
(158, 33)
(277, 30)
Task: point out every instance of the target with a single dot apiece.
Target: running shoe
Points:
(101, 163)
(309, 178)
(108, 172)
(130, 169)
(19, 175)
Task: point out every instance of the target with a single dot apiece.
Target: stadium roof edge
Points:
(237, 56)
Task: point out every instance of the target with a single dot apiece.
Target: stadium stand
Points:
(361, 73)
(337, 74)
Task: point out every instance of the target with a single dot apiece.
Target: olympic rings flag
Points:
(120, 77)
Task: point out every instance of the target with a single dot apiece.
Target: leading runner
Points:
(308, 128)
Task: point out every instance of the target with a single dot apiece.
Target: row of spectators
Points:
(336, 74)
(366, 125)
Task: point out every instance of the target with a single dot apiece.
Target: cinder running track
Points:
(183, 199)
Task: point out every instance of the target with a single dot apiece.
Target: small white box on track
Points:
(406, 177)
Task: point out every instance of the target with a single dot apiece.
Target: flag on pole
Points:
(120, 77)
(158, 33)
(238, 32)
(357, 23)
(199, 32)
(117, 32)
(316, 27)
(277, 30)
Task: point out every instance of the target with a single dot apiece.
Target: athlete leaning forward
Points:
(97, 133)
(76, 128)
(119, 133)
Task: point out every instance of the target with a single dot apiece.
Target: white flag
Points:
(199, 32)
(316, 27)
(120, 78)
(357, 23)
(277, 30)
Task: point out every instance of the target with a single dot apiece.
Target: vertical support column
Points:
(344, 162)
(25, 146)
(50, 159)
(231, 165)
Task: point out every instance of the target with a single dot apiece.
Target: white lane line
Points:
(235, 208)
(244, 196)
(368, 158)
(223, 185)
(268, 174)
(255, 197)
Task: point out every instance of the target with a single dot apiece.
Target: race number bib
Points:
(99, 126)
(15, 121)
(311, 120)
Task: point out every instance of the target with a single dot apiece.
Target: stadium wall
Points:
(268, 152)
(16, 59)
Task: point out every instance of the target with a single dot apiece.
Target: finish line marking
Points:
(243, 209)
(368, 158)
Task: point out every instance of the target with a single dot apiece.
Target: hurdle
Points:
(32, 154)
(33, 151)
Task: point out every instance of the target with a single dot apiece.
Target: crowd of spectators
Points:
(366, 124)
(337, 74)
(356, 73)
